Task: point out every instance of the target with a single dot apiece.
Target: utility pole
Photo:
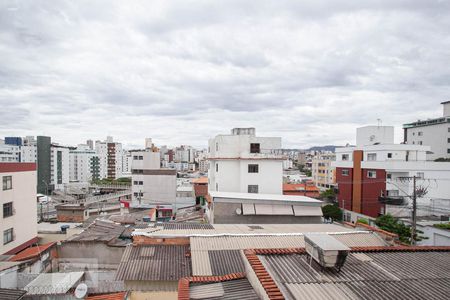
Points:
(414, 213)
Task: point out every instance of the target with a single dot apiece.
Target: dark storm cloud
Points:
(182, 71)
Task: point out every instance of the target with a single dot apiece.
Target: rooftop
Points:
(10, 294)
(264, 197)
(31, 252)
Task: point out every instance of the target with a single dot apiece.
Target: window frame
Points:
(253, 168)
(8, 232)
(345, 172)
(7, 184)
(255, 147)
(253, 189)
(9, 211)
(369, 172)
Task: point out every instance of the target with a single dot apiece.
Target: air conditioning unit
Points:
(326, 250)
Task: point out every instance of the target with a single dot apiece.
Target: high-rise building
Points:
(242, 162)
(431, 132)
(110, 157)
(90, 144)
(323, 173)
(84, 164)
(44, 172)
(18, 224)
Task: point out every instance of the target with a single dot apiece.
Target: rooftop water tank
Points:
(326, 250)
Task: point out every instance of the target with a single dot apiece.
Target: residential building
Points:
(18, 223)
(90, 144)
(59, 167)
(15, 141)
(242, 162)
(323, 173)
(203, 165)
(10, 153)
(248, 208)
(110, 156)
(44, 158)
(366, 173)
(185, 154)
(151, 184)
(84, 164)
(127, 160)
(431, 132)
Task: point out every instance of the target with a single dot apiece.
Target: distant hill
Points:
(324, 148)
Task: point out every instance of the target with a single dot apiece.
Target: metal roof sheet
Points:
(53, 283)
(264, 197)
(275, 241)
(239, 289)
(10, 294)
(379, 275)
(154, 263)
(307, 211)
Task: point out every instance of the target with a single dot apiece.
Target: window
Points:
(140, 194)
(138, 182)
(371, 156)
(141, 158)
(253, 189)
(372, 174)
(345, 156)
(253, 168)
(389, 155)
(7, 183)
(388, 176)
(420, 133)
(448, 140)
(420, 142)
(7, 209)
(217, 187)
(448, 151)
(217, 146)
(8, 236)
(217, 167)
(254, 148)
(135, 157)
(345, 172)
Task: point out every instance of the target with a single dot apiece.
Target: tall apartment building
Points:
(366, 172)
(184, 154)
(323, 173)
(110, 156)
(151, 184)
(18, 223)
(44, 170)
(243, 162)
(431, 132)
(127, 160)
(84, 164)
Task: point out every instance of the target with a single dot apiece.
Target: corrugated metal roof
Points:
(380, 275)
(154, 263)
(239, 289)
(274, 242)
(186, 229)
(100, 231)
(10, 294)
(201, 264)
(226, 262)
(53, 283)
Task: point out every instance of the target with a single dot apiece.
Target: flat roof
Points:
(264, 197)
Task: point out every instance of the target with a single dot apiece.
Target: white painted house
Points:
(244, 163)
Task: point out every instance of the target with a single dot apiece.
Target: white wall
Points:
(370, 135)
(435, 136)
(24, 220)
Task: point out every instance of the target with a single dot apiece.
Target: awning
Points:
(248, 209)
(269, 209)
(307, 211)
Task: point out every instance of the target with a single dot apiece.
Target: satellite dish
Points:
(81, 291)
(238, 211)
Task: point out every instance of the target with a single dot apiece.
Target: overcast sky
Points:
(183, 71)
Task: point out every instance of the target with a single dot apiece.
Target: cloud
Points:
(183, 71)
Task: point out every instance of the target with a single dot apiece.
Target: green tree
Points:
(332, 211)
(391, 224)
(329, 194)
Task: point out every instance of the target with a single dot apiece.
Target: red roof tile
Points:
(201, 180)
(299, 187)
(31, 252)
(17, 167)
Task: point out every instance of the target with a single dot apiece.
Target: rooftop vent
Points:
(326, 250)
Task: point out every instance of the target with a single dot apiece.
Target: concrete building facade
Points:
(151, 185)
(18, 223)
(242, 162)
(431, 132)
(84, 164)
(322, 172)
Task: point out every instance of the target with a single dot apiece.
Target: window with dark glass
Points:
(7, 209)
(7, 182)
(253, 168)
(255, 148)
(8, 236)
(253, 189)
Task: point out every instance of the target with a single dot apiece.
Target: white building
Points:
(127, 160)
(110, 157)
(59, 166)
(323, 173)
(242, 162)
(431, 132)
(84, 164)
(203, 165)
(29, 153)
(185, 154)
(364, 173)
(151, 184)
(18, 223)
(10, 153)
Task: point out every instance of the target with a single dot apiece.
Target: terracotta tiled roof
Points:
(201, 180)
(112, 296)
(299, 187)
(31, 252)
(269, 285)
(183, 283)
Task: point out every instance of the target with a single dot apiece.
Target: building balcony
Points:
(392, 200)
